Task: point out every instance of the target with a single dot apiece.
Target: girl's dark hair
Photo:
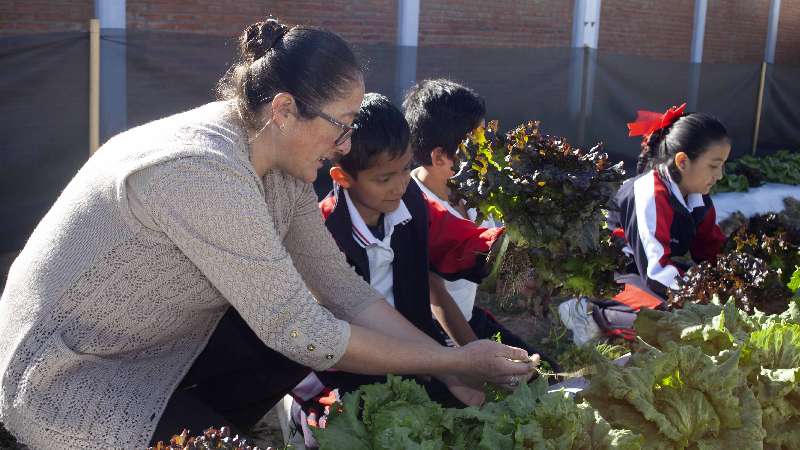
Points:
(381, 129)
(692, 134)
(314, 65)
(440, 113)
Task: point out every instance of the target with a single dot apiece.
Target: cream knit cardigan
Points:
(122, 283)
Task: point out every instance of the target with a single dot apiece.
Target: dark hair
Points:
(312, 64)
(440, 113)
(692, 134)
(381, 129)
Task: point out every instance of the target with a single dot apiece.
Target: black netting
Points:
(44, 130)
(586, 96)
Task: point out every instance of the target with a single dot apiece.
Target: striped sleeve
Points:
(654, 217)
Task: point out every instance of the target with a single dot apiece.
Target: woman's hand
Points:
(488, 361)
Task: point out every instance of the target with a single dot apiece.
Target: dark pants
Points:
(234, 382)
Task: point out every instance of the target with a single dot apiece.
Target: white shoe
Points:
(576, 315)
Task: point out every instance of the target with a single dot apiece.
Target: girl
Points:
(664, 218)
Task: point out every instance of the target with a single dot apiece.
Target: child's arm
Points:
(448, 314)
(709, 238)
(458, 248)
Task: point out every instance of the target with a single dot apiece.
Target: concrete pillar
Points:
(407, 43)
(772, 31)
(696, 57)
(113, 67)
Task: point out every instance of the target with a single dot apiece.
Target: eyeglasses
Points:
(347, 130)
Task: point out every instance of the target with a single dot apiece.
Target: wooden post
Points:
(94, 85)
(759, 105)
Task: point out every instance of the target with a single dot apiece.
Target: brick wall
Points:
(26, 16)
(736, 31)
(500, 23)
(659, 29)
(364, 21)
(656, 29)
(787, 50)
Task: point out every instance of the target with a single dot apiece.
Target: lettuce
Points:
(772, 356)
(399, 415)
(677, 397)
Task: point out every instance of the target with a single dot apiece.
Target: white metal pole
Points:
(113, 67)
(408, 23)
(699, 30)
(94, 85)
(406, 48)
(772, 31)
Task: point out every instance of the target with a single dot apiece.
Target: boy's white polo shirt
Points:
(379, 252)
(462, 291)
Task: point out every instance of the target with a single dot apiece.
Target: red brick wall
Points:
(787, 50)
(736, 31)
(498, 23)
(362, 21)
(33, 16)
(656, 29)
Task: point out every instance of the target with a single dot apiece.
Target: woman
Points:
(113, 312)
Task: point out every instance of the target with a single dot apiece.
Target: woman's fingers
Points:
(495, 362)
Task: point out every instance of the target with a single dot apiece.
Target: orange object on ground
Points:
(637, 298)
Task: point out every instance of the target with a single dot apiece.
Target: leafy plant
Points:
(399, 415)
(794, 281)
(751, 171)
(211, 438)
(761, 255)
(551, 198)
(767, 348)
(771, 238)
(679, 397)
(739, 275)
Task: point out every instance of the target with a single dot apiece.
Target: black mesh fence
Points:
(583, 95)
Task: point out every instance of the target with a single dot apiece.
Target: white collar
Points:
(694, 199)
(435, 197)
(361, 232)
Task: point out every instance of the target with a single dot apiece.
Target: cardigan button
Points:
(311, 347)
(329, 356)
(294, 333)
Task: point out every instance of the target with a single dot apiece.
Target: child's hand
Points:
(530, 285)
(464, 390)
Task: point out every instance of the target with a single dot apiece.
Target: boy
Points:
(440, 114)
(392, 235)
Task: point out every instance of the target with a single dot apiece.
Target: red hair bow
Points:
(648, 122)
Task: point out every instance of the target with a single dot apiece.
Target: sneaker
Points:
(576, 315)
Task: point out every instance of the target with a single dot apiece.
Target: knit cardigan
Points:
(121, 284)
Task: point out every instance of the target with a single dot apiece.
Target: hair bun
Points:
(260, 37)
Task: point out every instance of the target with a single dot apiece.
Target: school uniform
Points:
(657, 227)
(463, 292)
(395, 258)
(663, 234)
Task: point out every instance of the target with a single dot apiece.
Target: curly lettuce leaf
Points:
(674, 397)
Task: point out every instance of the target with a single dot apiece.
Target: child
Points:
(392, 235)
(440, 114)
(663, 218)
